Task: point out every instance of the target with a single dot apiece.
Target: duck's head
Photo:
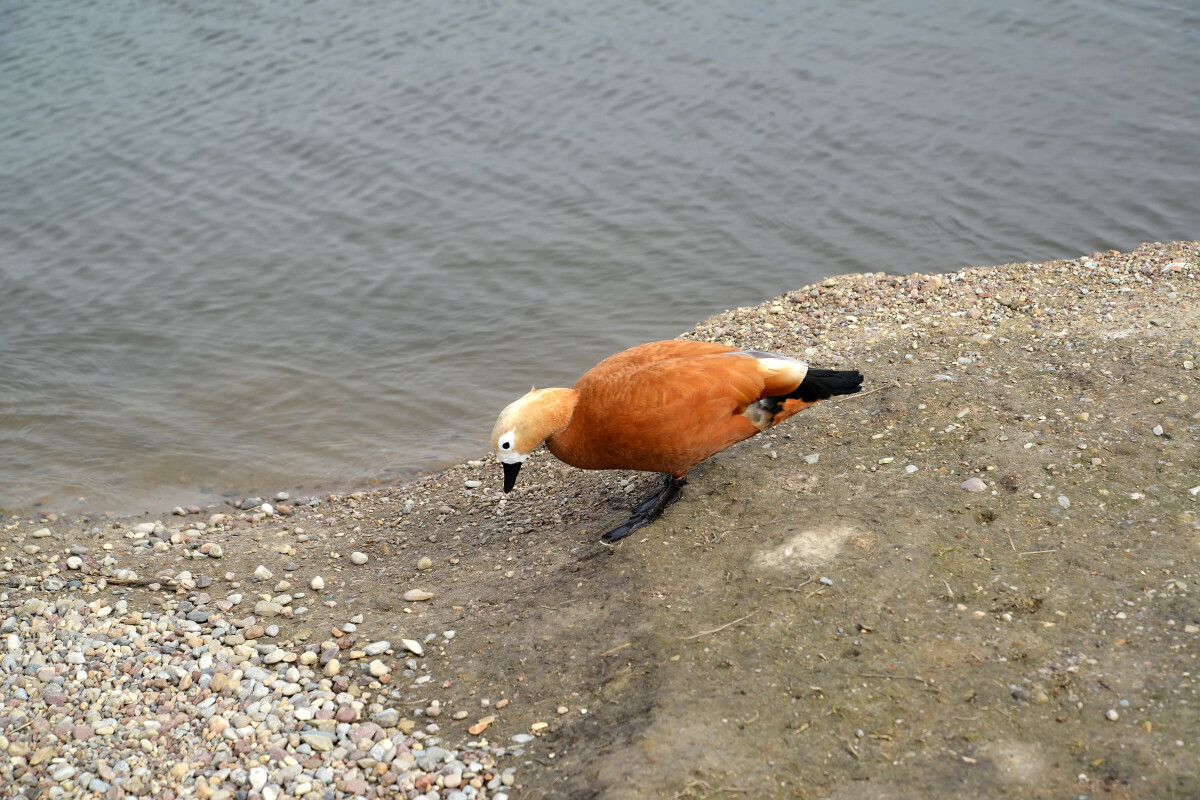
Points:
(525, 424)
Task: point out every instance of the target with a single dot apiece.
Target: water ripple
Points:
(252, 247)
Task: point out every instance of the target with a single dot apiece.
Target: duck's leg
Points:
(649, 509)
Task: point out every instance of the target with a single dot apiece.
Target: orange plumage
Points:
(662, 407)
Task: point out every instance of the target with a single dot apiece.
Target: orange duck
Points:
(661, 407)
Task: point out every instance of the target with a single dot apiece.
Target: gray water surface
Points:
(250, 246)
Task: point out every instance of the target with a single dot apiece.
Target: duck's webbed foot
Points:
(649, 509)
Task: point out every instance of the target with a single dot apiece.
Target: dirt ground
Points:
(817, 618)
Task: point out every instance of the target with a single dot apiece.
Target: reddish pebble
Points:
(346, 714)
(83, 732)
(355, 786)
(424, 782)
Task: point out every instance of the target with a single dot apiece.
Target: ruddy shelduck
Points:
(661, 407)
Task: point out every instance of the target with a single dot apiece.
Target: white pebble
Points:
(263, 574)
(317, 584)
(973, 485)
(358, 558)
(1111, 715)
(1063, 501)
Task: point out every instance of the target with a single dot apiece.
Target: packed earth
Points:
(975, 579)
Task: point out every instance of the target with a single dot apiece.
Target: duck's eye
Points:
(505, 445)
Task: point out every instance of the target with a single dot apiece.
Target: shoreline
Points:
(730, 327)
(808, 586)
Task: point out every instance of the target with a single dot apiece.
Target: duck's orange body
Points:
(662, 407)
(665, 407)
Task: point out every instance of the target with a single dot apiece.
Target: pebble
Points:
(973, 485)
(317, 584)
(1111, 715)
(377, 648)
(202, 717)
(261, 573)
(424, 562)
(417, 595)
(358, 558)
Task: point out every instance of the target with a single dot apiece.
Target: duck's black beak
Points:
(510, 476)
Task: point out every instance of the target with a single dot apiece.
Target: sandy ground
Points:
(827, 612)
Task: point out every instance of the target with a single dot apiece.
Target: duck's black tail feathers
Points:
(821, 384)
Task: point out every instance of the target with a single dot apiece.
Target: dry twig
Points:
(723, 627)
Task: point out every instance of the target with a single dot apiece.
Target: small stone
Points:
(417, 595)
(332, 668)
(263, 574)
(911, 468)
(378, 668)
(413, 646)
(973, 485)
(1111, 715)
(266, 608)
(377, 648)
(1063, 501)
(318, 740)
(358, 558)
(317, 584)
(1158, 430)
(472, 484)
(424, 562)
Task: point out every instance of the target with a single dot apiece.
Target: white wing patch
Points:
(790, 368)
